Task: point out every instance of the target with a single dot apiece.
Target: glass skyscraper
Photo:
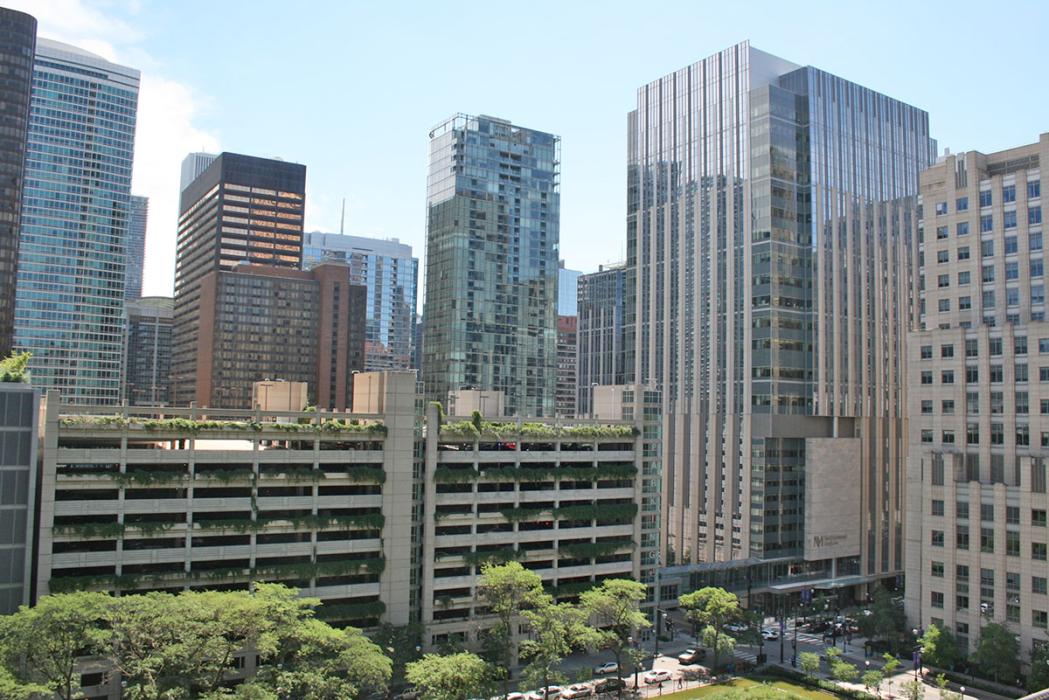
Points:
(75, 218)
(136, 246)
(769, 234)
(493, 220)
(17, 46)
(602, 306)
(389, 271)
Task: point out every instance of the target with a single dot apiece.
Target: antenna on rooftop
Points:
(342, 219)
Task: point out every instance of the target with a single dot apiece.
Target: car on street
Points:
(605, 669)
(579, 690)
(609, 685)
(770, 634)
(656, 677)
(691, 656)
(550, 692)
(736, 627)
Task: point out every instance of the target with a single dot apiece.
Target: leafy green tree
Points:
(712, 608)
(40, 645)
(887, 620)
(872, 680)
(614, 611)
(810, 663)
(401, 644)
(843, 671)
(945, 692)
(1038, 678)
(15, 367)
(454, 677)
(914, 690)
(891, 664)
(939, 647)
(554, 629)
(998, 653)
(507, 589)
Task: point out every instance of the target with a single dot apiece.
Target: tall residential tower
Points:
(75, 218)
(770, 211)
(17, 47)
(136, 247)
(493, 213)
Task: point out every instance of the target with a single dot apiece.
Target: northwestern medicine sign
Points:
(832, 498)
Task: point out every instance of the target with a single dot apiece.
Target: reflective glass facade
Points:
(17, 46)
(75, 218)
(493, 217)
(147, 365)
(769, 223)
(602, 303)
(136, 247)
(389, 272)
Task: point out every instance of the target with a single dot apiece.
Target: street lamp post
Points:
(634, 643)
(917, 631)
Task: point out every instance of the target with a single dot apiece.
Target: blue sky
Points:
(352, 88)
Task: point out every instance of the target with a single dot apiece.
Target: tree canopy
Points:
(452, 677)
(998, 653)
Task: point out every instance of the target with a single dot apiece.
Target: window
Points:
(1021, 403)
(1045, 439)
(937, 538)
(1039, 618)
(985, 198)
(1020, 345)
(1038, 517)
(937, 507)
(1012, 612)
(927, 406)
(943, 256)
(997, 434)
(1023, 436)
(942, 232)
(1009, 219)
(965, 303)
(1037, 295)
(1020, 371)
(1008, 193)
(1034, 241)
(963, 253)
(1034, 189)
(962, 228)
(1012, 270)
(1012, 298)
(1038, 551)
(947, 437)
(947, 407)
(943, 304)
(996, 374)
(937, 569)
(962, 203)
(1034, 215)
(1012, 515)
(994, 346)
(988, 300)
(972, 433)
(987, 248)
(972, 374)
(961, 537)
(926, 436)
(1012, 544)
(986, 224)
(961, 512)
(997, 403)
(972, 347)
(972, 402)
(1043, 374)
(941, 208)
(926, 352)
(987, 273)
(947, 351)
(947, 376)
(926, 376)
(937, 599)
(1036, 268)
(1010, 245)
(1039, 585)
(1043, 407)
(987, 512)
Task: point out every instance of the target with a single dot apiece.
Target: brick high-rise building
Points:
(262, 322)
(240, 209)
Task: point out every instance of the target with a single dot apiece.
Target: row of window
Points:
(1010, 220)
(987, 541)
(1034, 191)
(1012, 513)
